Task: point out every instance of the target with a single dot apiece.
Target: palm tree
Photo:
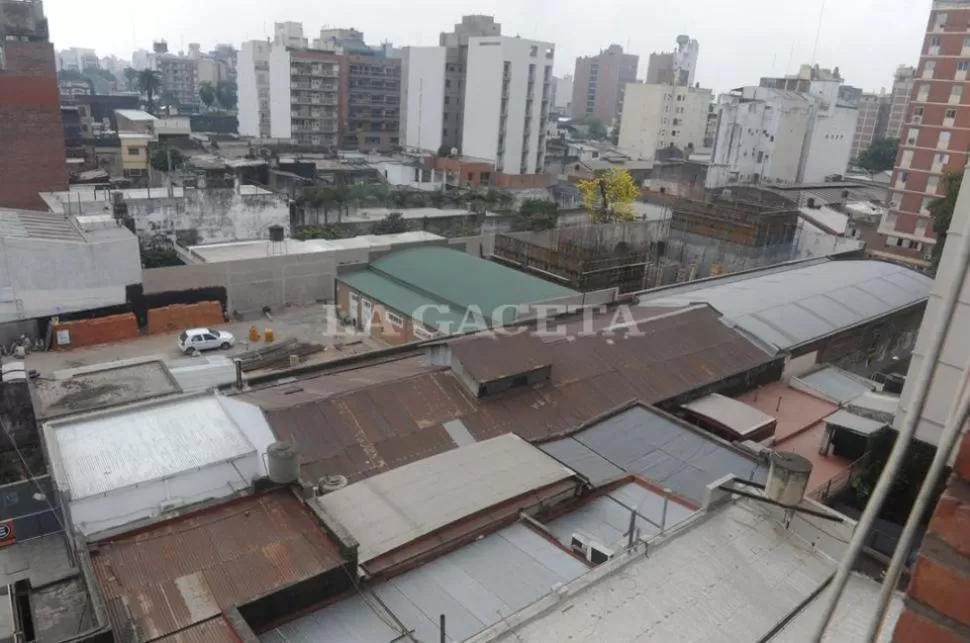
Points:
(131, 77)
(207, 94)
(149, 82)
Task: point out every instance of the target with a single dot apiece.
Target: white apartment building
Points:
(767, 135)
(252, 80)
(77, 58)
(655, 117)
(422, 97)
(507, 96)
(564, 91)
(290, 34)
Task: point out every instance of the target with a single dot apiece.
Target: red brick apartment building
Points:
(934, 137)
(32, 153)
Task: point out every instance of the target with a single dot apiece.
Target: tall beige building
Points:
(657, 116)
(872, 123)
(902, 90)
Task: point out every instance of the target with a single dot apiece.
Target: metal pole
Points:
(663, 519)
(921, 387)
(957, 417)
(441, 627)
(633, 526)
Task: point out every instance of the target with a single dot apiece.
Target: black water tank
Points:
(277, 233)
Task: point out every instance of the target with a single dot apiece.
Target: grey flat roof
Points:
(26, 224)
(606, 520)
(834, 384)
(855, 422)
(391, 509)
(475, 587)
(668, 452)
(801, 303)
(732, 414)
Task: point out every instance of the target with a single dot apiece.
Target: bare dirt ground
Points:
(307, 324)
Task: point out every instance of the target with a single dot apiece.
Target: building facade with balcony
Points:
(373, 102)
(902, 88)
(305, 96)
(599, 82)
(180, 79)
(872, 123)
(934, 137)
(507, 96)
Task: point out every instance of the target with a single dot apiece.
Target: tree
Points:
(131, 78)
(207, 94)
(316, 198)
(393, 223)
(880, 156)
(226, 94)
(149, 82)
(609, 196)
(942, 211)
(160, 160)
(597, 130)
(103, 73)
(536, 214)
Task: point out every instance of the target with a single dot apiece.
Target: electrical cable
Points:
(921, 385)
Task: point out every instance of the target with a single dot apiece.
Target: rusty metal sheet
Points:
(165, 578)
(216, 630)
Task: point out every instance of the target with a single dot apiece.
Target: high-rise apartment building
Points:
(659, 116)
(423, 97)
(456, 78)
(289, 34)
(252, 79)
(564, 92)
(77, 59)
(675, 67)
(180, 79)
(599, 82)
(32, 154)
(902, 90)
(373, 103)
(934, 136)
(305, 91)
(507, 92)
(872, 123)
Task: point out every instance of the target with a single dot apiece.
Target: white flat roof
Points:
(729, 413)
(399, 506)
(136, 115)
(217, 252)
(107, 451)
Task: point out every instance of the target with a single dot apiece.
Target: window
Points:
(928, 68)
(447, 100)
(944, 141)
(940, 19)
(935, 41)
(963, 65)
(913, 136)
(950, 113)
(932, 184)
(393, 319)
(448, 83)
(956, 93)
(133, 151)
(892, 241)
(906, 160)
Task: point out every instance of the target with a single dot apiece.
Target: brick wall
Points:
(102, 330)
(938, 601)
(32, 154)
(174, 319)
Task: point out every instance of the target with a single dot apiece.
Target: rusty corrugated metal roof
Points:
(386, 424)
(217, 630)
(166, 578)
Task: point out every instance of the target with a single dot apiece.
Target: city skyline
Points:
(866, 40)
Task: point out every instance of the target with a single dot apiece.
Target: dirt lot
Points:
(307, 324)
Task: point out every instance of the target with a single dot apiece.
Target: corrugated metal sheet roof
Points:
(417, 499)
(730, 578)
(854, 422)
(217, 630)
(188, 570)
(124, 447)
(475, 587)
(658, 447)
(388, 416)
(834, 384)
(433, 275)
(731, 414)
(803, 303)
(606, 520)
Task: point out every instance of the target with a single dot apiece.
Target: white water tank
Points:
(787, 478)
(282, 463)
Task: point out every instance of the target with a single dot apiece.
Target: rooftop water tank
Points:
(787, 478)
(283, 463)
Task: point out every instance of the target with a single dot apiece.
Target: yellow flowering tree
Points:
(609, 197)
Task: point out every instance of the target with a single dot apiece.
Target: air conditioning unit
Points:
(589, 549)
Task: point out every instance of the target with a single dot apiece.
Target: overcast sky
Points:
(740, 40)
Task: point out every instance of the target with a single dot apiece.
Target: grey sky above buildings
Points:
(741, 40)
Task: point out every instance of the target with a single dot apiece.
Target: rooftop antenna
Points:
(818, 32)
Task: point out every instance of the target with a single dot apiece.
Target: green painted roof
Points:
(436, 275)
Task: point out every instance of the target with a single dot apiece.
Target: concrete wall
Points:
(42, 277)
(422, 97)
(218, 214)
(830, 145)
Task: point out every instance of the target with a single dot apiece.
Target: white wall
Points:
(830, 145)
(247, 92)
(50, 277)
(422, 100)
(564, 91)
(649, 112)
(483, 101)
(279, 92)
